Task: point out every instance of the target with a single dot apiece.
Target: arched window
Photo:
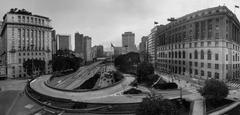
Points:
(195, 54)
(179, 54)
(184, 54)
(209, 55)
(202, 54)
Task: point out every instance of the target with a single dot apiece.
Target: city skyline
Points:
(106, 20)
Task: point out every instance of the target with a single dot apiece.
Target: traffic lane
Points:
(39, 86)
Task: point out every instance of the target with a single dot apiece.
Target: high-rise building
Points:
(25, 36)
(54, 42)
(63, 42)
(97, 51)
(203, 44)
(83, 46)
(128, 42)
(151, 44)
(117, 51)
(143, 44)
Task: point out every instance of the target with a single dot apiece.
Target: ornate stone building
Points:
(25, 36)
(202, 44)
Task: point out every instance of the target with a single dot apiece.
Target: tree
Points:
(214, 90)
(32, 65)
(143, 70)
(157, 106)
(66, 60)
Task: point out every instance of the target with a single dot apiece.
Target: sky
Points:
(106, 20)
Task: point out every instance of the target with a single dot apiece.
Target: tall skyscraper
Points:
(54, 42)
(128, 42)
(83, 46)
(97, 51)
(143, 44)
(63, 42)
(25, 36)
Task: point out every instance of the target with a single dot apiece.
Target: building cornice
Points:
(25, 24)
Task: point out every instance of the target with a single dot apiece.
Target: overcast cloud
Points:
(106, 20)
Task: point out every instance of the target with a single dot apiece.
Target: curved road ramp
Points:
(60, 93)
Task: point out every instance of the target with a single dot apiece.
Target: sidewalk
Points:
(224, 110)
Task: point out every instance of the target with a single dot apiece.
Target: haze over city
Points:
(106, 20)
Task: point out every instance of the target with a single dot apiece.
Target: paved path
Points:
(39, 86)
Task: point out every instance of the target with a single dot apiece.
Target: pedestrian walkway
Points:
(224, 110)
(233, 85)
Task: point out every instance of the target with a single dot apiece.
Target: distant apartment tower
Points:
(54, 42)
(151, 44)
(117, 51)
(63, 42)
(128, 42)
(24, 36)
(83, 46)
(143, 44)
(97, 51)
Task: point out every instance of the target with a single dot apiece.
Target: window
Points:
(19, 61)
(202, 54)
(202, 64)
(216, 43)
(216, 56)
(179, 54)
(195, 54)
(227, 57)
(196, 72)
(202, 73)
(175, 54)
(202, 44)
(209, 65)
(196, 64)
(184, 54)
(195, 44)
(190, 55)
(190, 45)
(190, 63)
(208, 43)
(19, 18)
(216, 75)
(209, 74)
(209, 55)
(216, 66)
(217, 35)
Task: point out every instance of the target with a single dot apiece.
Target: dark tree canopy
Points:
(32, 65)
(127, 63)
(214, 90)
(144, 69)
(64, 60)
(157, 106)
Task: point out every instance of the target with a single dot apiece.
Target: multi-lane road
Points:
(77, 78)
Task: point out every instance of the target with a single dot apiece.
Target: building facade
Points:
(83, 46)
(151, 44)
(54, 42)
(97, 51)
(143, 44)
(25, 36)
(117, 51)
(128, 42)
(203, 44)
(63, 42)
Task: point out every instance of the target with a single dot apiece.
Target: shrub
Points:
(214, 90)
(165, 86)
(157, 106)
